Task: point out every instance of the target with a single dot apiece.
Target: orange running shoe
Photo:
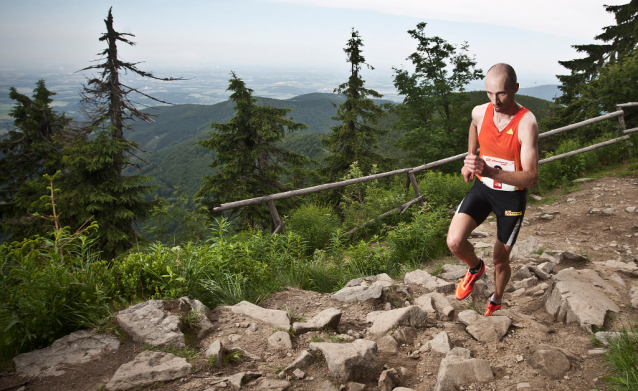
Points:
(491, 308)
(464, 288)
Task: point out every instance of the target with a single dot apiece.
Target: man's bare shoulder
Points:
(528, 122)
(478, 112)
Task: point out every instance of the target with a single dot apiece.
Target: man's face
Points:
(501, 94)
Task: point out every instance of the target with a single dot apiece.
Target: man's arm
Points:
(528, 177)
(472, 143)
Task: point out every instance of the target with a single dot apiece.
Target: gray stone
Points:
(389, 379)
(521, 274)
(582, 180)
(609, 211)
(578, 296)
(388, 344)
(150, 323)
(546, 257)
(383, 278)
(276, 318)
(485, 329)
(354, 386)
(328, 318)
(536, 197)
(359, 293)
(571, 256)
(618, 280)
(202, 320)
(630, 209)
(570, 356)
(76, 348)
(147, 368)
(405, 335)
(479, 234)
(606, 336)
(596, 352)
(593, 211)
(304, 360)
(298, 373)
(540, 273)
(355, 361)
(216, 349)
(442, 306)
(428, 281)
(384, 321)
(628, 269)
(265, 383)
(552, 363)
(547, 216)
(524, 249)
(457, 369)
(526, 283)
(425, 303)
(403, 389)
(547, 267)
(522, 386)
(440, 343)
(453, 272)
(280, 341)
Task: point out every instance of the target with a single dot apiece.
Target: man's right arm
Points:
(472, 143)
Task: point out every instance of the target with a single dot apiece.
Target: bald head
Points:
(503, 70)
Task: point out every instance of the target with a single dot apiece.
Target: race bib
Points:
(501, 164)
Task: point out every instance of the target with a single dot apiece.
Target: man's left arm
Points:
(528, 177)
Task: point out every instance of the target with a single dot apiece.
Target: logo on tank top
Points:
(510, 131)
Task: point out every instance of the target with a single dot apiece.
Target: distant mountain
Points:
(546, 92)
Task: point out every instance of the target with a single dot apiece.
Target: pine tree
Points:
(29, 151)
(249, 162)
(435, 112)
(94, 185)
(355, 138)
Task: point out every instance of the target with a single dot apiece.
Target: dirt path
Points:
(599, 236)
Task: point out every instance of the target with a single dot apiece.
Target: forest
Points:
(96, 216)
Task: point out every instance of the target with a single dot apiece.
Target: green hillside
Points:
(176, 160)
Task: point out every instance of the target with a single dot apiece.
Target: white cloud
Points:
(581, 19)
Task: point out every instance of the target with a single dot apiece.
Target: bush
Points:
(443, 190)
(315, 224)
(421, 240)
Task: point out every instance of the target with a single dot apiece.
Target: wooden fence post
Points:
(415, 186)
(277, 227)
(621, 122)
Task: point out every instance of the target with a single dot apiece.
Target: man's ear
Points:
(516, 88)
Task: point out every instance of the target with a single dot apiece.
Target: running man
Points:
(507, 165)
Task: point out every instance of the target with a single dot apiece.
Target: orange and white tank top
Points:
(500, 149)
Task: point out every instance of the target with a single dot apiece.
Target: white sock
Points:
(500, 301)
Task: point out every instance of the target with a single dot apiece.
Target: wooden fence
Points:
(279, 225)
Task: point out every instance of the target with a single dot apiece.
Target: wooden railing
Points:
(278, 224)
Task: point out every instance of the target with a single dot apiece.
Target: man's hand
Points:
(467, 174)
(477, 166)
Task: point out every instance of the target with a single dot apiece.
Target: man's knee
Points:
(455, 241)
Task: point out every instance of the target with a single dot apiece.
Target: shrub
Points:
(420, 240)
(315, 224)
(443, 190)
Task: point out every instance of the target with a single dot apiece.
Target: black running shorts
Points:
(508, 206)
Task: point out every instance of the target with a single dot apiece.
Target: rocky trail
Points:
(575, 272)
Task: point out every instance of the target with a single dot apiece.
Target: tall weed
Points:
(420, 240)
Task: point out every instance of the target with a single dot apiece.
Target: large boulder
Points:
(147, 368)
(579, 296)
(629, 269)
(359, 293)
(277, 318)
(328, 318)
(76, 348)
(428, 281)
(457, 369)
(384, 321)
(551, 362)
(441, 305)
(485, 329)
(355, 361)
(525, 248)
(149, 322)
(201, 316)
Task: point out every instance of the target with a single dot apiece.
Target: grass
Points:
(622, 360)
(471, 306)
(232, 358)
(187, 352)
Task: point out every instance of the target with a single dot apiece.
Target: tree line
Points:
(91, 156)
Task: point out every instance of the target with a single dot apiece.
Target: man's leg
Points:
(461, 227)
(502, 270)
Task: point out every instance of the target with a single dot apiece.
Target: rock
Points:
(405, 335)
(244, 353)
(202, 320)
(440, 343)
(457, 369)
(425, 303)
(232, 338)
(633, 292)
(606, 336)
(571, 256)
(582, 180)
(596, 352)
(526, 283)
(359, 293)
(355, 361)
(552, 363)
(479, 234)
(547, 216)
(304, 360)
(150, 323)
(441, 305)
(545, 257)
(354, 386)
(382, 278)
(521, 274)
(147, 368)
(428, 281)
(536, 197)
(579, 296)
(618, 280)
(277, 318)
(540, 273)
(524, 249)
(593, 211)
(522, 386)
(546, 267)
(384, 321)
(627, 269)
(630, 209)
(280, 341)
(216, 349)
(326, 319)
(265, 383)
(76, 348)
(479, 245)
(299, 374)
(485, 329)
(238, 380)
(452, 272)
(389, 379)
(570, 356)
(403, 389)
(609, 211)
(387, 344)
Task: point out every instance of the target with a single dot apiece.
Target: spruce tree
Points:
(249, 161)
(355, 138)
(434, 111)
(29, 151)
(94, 185)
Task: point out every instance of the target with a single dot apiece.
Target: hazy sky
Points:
(296, 34)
